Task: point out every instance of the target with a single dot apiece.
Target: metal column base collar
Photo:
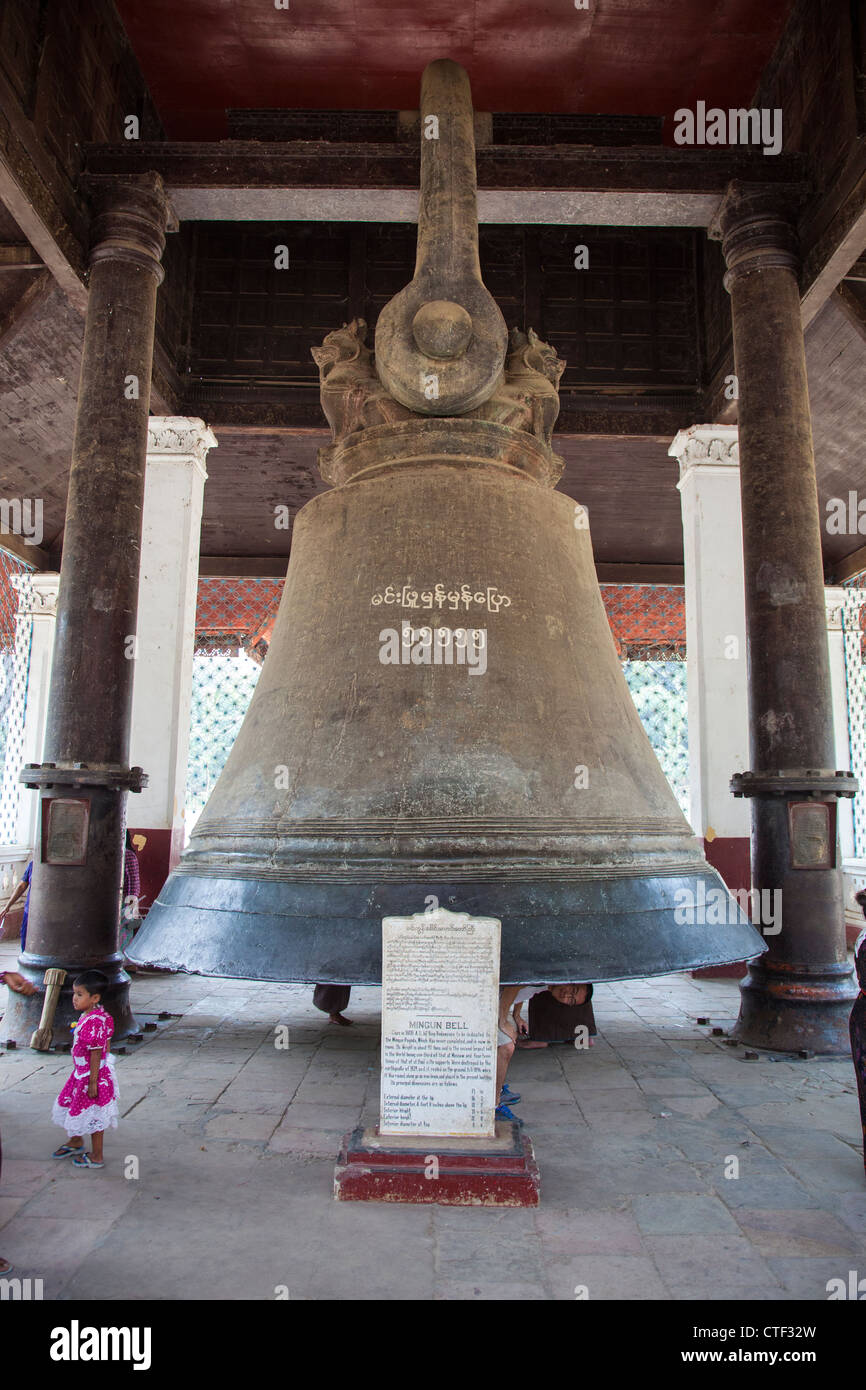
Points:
(817, 782)
(113, 776)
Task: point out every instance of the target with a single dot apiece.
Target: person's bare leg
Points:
(525, 1043)
(96, 1145)
(504, 1053)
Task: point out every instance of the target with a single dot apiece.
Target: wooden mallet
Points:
(53, 981)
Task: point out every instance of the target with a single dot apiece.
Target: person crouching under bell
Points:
(560, 1013)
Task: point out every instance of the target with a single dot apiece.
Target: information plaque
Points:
(440, 1007)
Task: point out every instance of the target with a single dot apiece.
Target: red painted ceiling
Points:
(635, 57)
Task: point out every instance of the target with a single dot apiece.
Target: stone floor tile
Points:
(760, 1184)
(709, 1267)
(851, 1210)
(486, 1289)
(794, 1233)
(605, 1277)
(22, 1177)
(322, 1143)
(672, 1214)
(807, 1278)
(321, 1093)
(8, 1207)
(842, 1173)
(580, 1232)
(338, 1118)
(243, 1099)
(52, 1248)
(253, 1127)
(673, 1085)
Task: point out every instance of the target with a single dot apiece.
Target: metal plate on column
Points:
(812, 831)
(65, 824)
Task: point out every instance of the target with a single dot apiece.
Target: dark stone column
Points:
(78, 866)
(799, 995)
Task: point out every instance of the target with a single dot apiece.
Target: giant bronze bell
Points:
(442, 714)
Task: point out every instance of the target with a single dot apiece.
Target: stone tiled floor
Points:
(235, 1143)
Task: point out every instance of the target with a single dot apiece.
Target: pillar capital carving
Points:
(175, 438)
(756, 224)
(130, 219)
(706, 446)
(836, 600)
(37, 594)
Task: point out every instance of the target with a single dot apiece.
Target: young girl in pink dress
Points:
(88, 1102)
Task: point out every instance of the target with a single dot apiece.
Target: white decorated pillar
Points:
(836, 600)
(168, 585)
(37, 603)
(715, 643)
(842, 612)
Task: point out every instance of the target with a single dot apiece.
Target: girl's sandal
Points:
(66, 1149)
(85, 1161)
(6, 1267)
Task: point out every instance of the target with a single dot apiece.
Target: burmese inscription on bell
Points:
(440, 992)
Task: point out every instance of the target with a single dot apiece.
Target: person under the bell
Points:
(332, 1000)
(505, 1040)
(566, 1012)
(557, 1013)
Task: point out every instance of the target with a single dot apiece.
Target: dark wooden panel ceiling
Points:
(627, 321)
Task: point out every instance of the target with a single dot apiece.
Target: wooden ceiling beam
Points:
(250, 180)
(19, 257)
(627, 573)
(28, 192)
(33, 554)
(833, 235)
(849, 568)
(242, 566)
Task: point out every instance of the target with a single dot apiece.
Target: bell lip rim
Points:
(626, 915)
(325, 977)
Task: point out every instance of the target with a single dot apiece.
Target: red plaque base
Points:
(455, 1172)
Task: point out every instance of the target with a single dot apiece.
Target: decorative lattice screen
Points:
(658, 688)
(223, 682)
(854, 628)
(15, 634)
